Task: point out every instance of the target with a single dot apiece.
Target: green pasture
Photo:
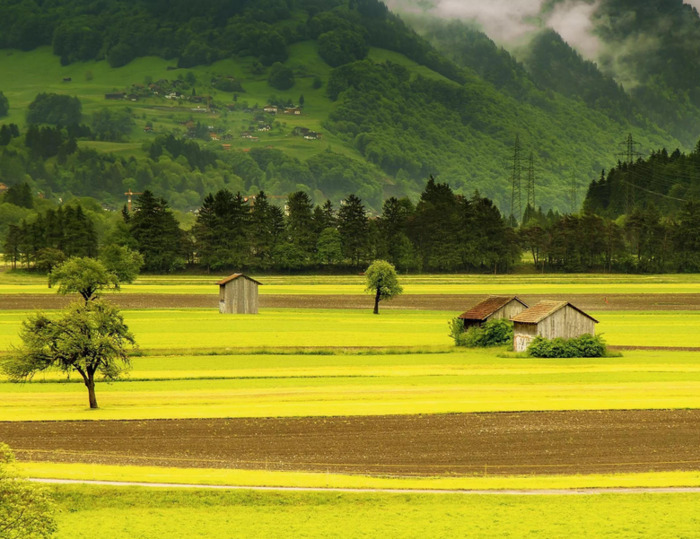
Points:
(40, 71)
(130, 512)
(349, 384)
(470, 480)
(597, 284)
(275, 329)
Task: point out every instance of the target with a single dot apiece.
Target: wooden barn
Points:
(550, 319)
(238, 294)
(494, 307)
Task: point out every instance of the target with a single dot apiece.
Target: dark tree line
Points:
(443, 232)
(643, 241)
(66, 230)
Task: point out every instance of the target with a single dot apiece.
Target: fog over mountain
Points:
(514, 22)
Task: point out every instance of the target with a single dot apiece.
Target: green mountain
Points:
(172, 98)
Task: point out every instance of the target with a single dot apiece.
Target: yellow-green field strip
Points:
(262, 478)
(23, 283)
(360, 385)
(277, 329)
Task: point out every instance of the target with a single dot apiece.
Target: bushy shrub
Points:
(493, 333)
(586, 345)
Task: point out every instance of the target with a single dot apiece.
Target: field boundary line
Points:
(481, 492)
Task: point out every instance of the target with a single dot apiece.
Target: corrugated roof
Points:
(537, 313)
(234, 277)
(483, 310)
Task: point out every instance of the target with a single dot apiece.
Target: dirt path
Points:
(506, 492)
(456, 303)
(582, 442)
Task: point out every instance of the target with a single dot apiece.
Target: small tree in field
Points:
(382, 282)
(86, 276)
(88, 337)
(26, 510)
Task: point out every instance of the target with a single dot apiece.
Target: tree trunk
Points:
(90, 384)
(376, 302)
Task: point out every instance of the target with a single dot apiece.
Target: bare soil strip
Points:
(584, 442)
(505, 492)
(435, 302)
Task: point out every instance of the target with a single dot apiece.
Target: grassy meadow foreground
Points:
(347, 363)
(139, 513)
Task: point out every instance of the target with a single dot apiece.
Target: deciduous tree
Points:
(26, 509)
(85, 276)
(382, 282)
(88, 337)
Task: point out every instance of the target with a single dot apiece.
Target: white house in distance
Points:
(550, 319)
(238, 294)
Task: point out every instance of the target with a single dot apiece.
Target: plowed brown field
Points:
(436, 302)
(453, 444)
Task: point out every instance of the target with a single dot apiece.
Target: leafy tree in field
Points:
(85, 276)
(281, 77)
(4, 105)
(89, 338)
(300, 224)
(54, 109)
(382, 282)
(26, 509)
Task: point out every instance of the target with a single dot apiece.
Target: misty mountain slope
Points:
(411, 126)
(390, 106)
(653, 49)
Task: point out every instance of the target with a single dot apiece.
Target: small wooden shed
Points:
(494, 307)
(238, 294)
(550, 319)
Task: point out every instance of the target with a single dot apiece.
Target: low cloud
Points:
(512, 21)
(573, 21)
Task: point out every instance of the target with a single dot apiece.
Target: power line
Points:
(653, 192)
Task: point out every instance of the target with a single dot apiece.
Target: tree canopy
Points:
(26, 509)
(382, 282)
(88, 338)
(83, 275)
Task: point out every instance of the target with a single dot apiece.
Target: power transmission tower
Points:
(628, 156)
(516, 202)
(530, 186)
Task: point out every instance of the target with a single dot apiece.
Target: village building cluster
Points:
(548, 319)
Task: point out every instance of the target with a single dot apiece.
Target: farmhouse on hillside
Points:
(238, 294)
(492, 308)
(550, 319)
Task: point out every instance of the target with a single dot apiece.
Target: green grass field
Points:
(275, 329)
(597, 284)
(368, 384)
(139, 513)
(325, 480)
(40, 71)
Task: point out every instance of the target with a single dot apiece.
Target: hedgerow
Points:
(493, 333)
(586, 345)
